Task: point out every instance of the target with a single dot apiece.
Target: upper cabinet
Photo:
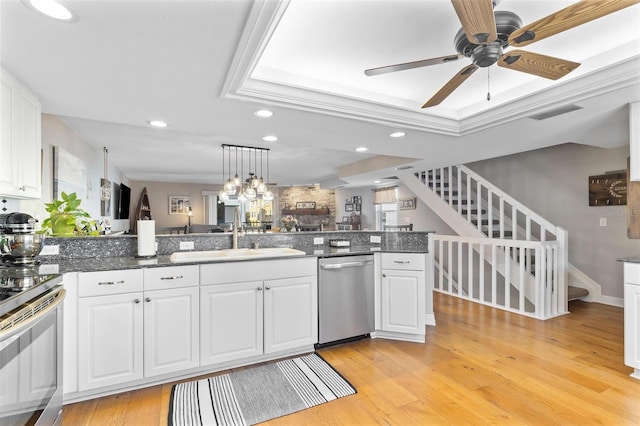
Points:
(20, 140)
(634, 140)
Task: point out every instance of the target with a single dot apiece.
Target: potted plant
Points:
(66, 219)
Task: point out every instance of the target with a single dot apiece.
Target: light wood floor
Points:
(479, 366)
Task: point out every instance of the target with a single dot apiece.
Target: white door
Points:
(171, 330)
(109, 340)
(403, 301)
(290, 313)
(231, 321)
(632, 325)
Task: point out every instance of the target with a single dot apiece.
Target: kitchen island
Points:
(135, 322)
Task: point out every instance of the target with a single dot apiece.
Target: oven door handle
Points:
(33, 312)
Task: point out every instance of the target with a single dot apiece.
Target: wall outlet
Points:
(376, 239)
(52, 268)
(603, 221)
(318, 241)
(186, 245)
(50, 250)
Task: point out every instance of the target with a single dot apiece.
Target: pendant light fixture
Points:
(256, 186)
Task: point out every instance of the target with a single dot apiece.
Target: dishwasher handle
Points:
(346, 265)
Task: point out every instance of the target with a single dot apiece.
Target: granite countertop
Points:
(630, 259)
(64, 265)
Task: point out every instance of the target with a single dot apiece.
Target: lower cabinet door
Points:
(632, 325)
(171, 330)
(231, 322)
(402, 300)
(110, 345)
(290, 313)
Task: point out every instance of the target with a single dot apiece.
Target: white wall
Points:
(56, 133)
(554, 183)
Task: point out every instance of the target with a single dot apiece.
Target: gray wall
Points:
(553, 182)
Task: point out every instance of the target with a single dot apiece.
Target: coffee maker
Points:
(19, 242)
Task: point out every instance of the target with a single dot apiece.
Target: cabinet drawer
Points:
(632, 273)
(404, 261)
(109, 282)
(171, 277)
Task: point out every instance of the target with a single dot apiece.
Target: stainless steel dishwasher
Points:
(345, 298)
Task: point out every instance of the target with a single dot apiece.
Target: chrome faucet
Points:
(236, 225)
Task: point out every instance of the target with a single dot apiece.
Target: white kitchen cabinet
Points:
(127, 332)
(231, 325)
(110, 345)
(290, 313)
(253, 308)
(20, 140)
(632, 317)
(402, 297)
(171, 330)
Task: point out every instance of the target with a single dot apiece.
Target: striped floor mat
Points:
(257, 394)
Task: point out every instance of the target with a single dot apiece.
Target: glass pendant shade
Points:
(261, 186)
(268, 195)
(241, 196)
(237, 181)
(250, 193)
(229, 187)
(223, 196)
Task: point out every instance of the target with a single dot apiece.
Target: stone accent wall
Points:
(324, 198)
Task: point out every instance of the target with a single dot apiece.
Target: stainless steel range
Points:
(30, 336)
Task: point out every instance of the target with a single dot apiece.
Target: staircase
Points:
(504, 255)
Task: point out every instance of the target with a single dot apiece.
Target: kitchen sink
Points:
(234, 254)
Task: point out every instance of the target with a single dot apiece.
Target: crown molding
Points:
(263, 21)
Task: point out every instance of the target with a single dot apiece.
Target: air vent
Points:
(554, 112)
(404, 167)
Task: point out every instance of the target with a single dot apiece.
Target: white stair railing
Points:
(480, 209)
(482, 270)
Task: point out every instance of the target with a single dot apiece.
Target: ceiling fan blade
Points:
(451, 85)
(477, 19)
(567, 18)
(414, 64)
(536, 64)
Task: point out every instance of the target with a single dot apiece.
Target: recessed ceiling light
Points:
(55, 9)
(362, 149)
(270, 138)
(263, 113)
(397, 134)
(158, 123)
(376, 181)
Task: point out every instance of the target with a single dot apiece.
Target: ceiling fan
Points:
(485, 35)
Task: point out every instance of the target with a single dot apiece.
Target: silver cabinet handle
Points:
(402, 261)
(268, 288)
(111, 282)
(22, 188)
(384, 275)
(177, 277)
(136, 301)
(259, 289)
(148, 299)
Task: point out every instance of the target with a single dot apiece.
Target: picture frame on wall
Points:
(358, 207)
(348, 207)
(407, 203)
(179, 204)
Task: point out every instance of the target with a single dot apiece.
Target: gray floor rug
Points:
(257, 394)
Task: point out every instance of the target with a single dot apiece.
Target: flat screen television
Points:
(124, 202)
